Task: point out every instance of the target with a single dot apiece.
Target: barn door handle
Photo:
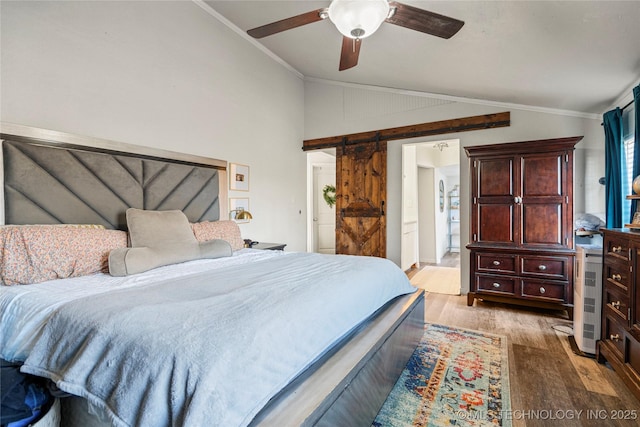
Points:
(342, 213)
(382, 208)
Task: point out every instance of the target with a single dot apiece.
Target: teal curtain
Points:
(613, 167)
(636, 144)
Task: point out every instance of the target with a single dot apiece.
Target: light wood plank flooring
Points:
(545, 374)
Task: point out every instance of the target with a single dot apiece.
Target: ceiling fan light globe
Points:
(358, 19)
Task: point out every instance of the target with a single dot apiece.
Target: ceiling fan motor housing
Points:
(358, 19)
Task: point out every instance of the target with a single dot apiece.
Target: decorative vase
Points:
(636, 185)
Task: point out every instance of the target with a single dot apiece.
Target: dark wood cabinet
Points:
(521, 238)
(620, 339)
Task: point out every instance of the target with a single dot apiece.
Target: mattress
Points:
(232, 332)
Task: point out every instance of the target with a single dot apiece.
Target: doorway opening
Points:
(431, 207)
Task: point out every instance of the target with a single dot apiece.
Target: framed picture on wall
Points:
(238, 177)
(236, 205)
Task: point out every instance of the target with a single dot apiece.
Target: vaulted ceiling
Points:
(578, 56)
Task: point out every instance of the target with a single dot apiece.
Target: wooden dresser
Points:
(620, 343)
(521, 238)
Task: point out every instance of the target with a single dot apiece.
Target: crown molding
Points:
(204, 6)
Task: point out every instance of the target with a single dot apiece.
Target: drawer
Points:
(548, 267)
(495, 284)
(617, 302)
(544, 291)
(614, 334)
(616, 275)
(496, 262)
(616, 247)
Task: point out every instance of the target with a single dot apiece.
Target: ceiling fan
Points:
(357, 19)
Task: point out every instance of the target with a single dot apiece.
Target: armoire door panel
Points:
(495, 177)
(542, 224)
(495, 224)
(542, 176)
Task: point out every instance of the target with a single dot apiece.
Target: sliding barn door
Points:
(361, 192)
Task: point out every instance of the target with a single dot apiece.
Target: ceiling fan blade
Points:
(423, 20)
(288, 23)
(350, 53)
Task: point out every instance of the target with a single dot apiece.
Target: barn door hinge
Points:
(382, 208)
(475, 237)
(475, 200)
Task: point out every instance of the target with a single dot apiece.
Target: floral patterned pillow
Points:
(37, 253)
(225, 230)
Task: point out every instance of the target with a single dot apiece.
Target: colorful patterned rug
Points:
(455, 377)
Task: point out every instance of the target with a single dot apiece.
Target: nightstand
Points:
(269, 246)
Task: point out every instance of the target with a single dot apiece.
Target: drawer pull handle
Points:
(496, 285)
(616, 249)
(496, 263)
(615, 304)
(542, 290)
(542, 267)
(616, 277)
(615, 337)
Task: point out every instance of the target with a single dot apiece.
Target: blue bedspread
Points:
(211, 348)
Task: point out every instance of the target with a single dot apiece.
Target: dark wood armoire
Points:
(521, 238)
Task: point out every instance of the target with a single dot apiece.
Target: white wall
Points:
(165, 75)
(441, 232)
(330, 110)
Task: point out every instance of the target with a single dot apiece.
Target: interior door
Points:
(361, 192)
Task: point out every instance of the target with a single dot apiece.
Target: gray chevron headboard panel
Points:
(53, 184)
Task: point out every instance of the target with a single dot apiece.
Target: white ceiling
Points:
(579, 56)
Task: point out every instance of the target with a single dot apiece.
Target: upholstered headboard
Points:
(51, 182)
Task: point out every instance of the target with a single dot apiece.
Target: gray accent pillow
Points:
(158, 228)
(125, 261)
(161, 238)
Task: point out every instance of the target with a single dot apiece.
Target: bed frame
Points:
(52, 177)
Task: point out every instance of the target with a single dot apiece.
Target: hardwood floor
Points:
(450, 259)
(550, 385)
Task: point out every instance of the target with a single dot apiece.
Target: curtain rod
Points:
(623, 108)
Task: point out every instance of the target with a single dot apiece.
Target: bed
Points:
(252, 338)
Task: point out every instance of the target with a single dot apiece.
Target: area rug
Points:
(455, 377)
(440, 280)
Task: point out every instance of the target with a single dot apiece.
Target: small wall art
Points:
(238, 177)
